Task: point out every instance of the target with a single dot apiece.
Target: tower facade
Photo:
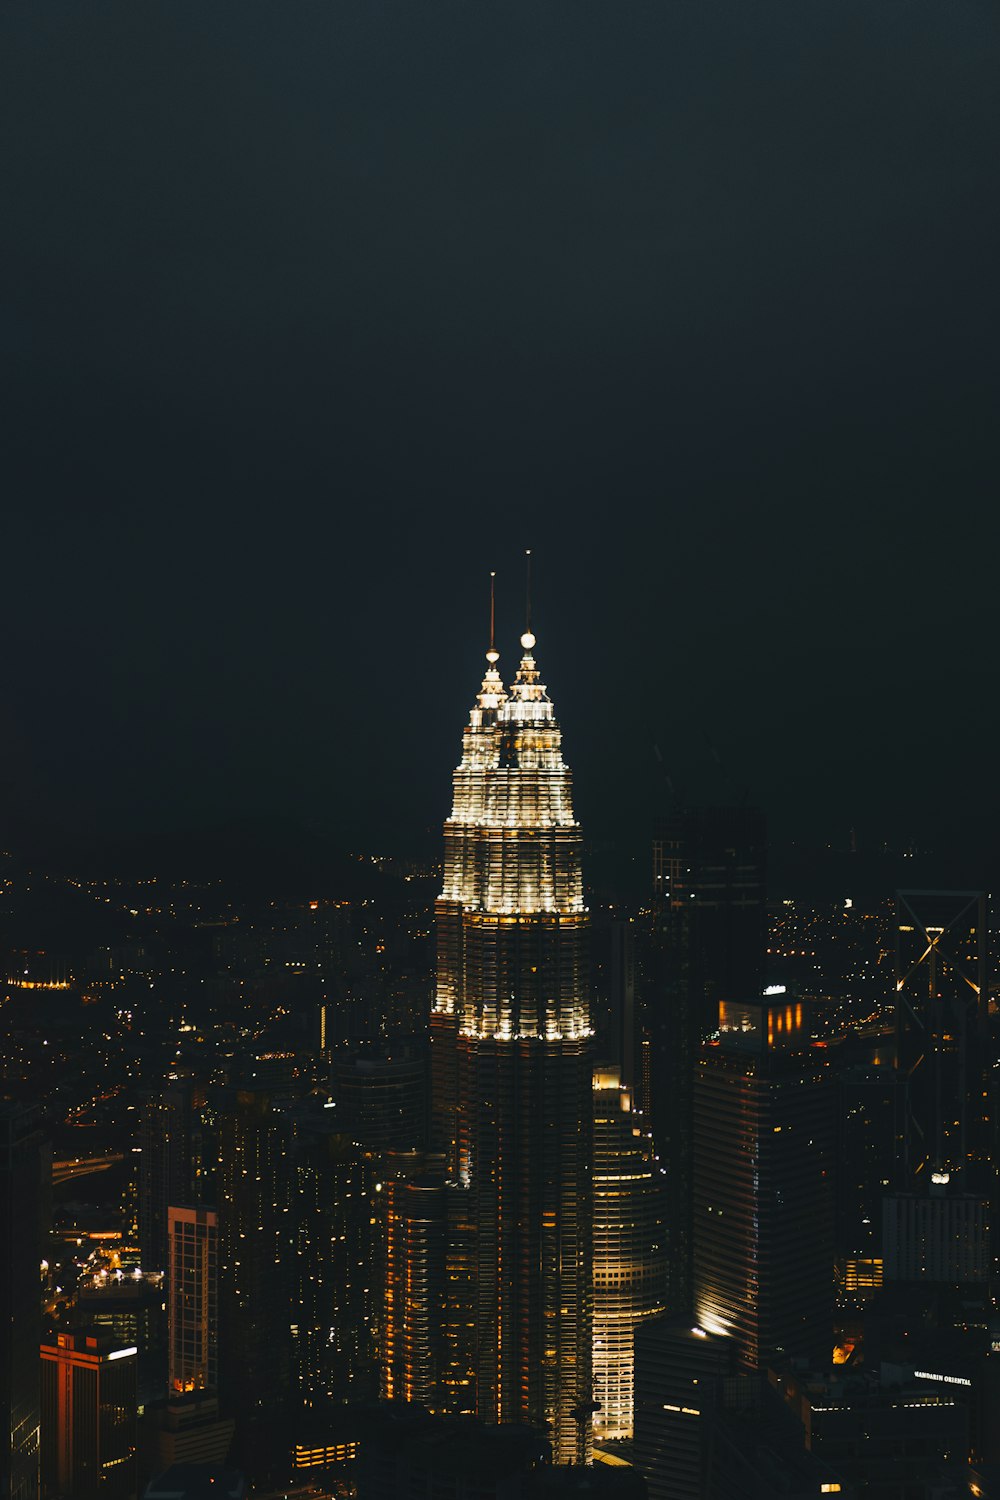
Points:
(89, 1400)
(193, 1300)
(630, 1261)
(763, 1184)
(708, 946)
(942, 1036)
(20, 1318)
(511, 1058)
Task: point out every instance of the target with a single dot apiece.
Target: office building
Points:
(255, 1269)
(380, 1097)
(428, 1325)
(20, 1317)
(939, 1217)
(940, 1237)
(763, 1184)
(404, 1451)
(677, 1368)
(88, 1430)
(416, 1271)
(189, 1430)
(130, 1307)
(197, 1481)
(707, 945)
(335, 1282)
(884, 1431)
(630, 1264)
(174, 1164)
(511, 1058)
(942, 1040)
(868, 1104)
(193, 1300)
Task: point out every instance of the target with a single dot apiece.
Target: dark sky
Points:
(315, 311)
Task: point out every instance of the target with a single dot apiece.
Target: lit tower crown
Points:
(512, 867)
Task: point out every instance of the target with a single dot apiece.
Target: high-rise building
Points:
(88, 1417)
(172, 1166)
(941, 1036)
(427, 1264)
(20, 1316)
(939, 1221)
(130, 1307)
(416, 1256)
(334, 1271)
(511, 1058)
(707, 945)
(630, 1264)
(380, 1097)
(193, 1300)
(867, 1105)
(255, 1269)
(763, 1184)
(676, 1370)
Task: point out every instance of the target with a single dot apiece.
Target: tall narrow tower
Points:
(511, 1055)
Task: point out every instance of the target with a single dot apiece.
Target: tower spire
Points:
(527, 639)
(493, 655)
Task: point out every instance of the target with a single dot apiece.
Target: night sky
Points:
(315, 312)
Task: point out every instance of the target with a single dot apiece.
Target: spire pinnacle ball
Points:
(527, 640)
(492, 656)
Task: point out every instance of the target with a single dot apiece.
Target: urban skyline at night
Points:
(573, 1075)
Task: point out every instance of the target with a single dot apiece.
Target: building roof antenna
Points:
(493, 655)
(527, 639)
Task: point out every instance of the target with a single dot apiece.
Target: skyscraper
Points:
(941, 1034)
(88, 1417)
(708, 946)
(763, 1184)
(193, 1300)
(334, 1277)
(255, 1270)
(630, 1262)
(173, 1166)
(511, 1057)
(20, 1317)
(938, 1224)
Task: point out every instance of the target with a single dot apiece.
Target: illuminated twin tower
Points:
(511, 1061)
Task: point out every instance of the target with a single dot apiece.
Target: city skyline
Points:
(407, 1091)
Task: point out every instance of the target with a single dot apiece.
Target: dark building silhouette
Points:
(256, 1240)
(707, 945)
(942, 1037)
(763, 1184)
(405, 1451)
(210, 1480)
(175, 1166)
(705, 1430)
(380, 1096)
(188, 1430)
(869, 1100)
(884, 1432)
(335, 1284)
(676, 1369)
(89, 1401)
(939, 1222)
(20, 1318)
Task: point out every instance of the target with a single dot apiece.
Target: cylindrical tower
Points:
(511, 1049)
(630, 1261)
